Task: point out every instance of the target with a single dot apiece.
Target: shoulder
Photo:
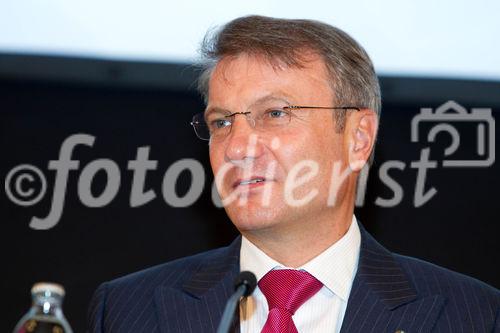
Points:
(132, 295)
(430, 279)
(115, 302)
(170, 274)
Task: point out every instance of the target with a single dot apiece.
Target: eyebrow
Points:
(216, 109)
(269, 97)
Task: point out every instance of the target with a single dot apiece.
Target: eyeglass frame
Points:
(292, 107)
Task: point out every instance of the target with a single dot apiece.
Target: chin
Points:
(253, 218)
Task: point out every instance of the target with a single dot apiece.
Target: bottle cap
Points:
(48, 286)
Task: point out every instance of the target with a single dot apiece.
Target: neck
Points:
(295, 243)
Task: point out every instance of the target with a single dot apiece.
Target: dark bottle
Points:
(45, 315)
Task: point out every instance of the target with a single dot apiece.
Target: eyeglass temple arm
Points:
(323, 107)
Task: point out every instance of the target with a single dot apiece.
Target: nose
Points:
(243, 142)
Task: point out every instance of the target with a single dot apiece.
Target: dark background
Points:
(127, 105)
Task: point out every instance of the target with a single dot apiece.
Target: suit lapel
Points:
(382, 299)
(196, 305)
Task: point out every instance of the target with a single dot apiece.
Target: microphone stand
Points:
(244, 285)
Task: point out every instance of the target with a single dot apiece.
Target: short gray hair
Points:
(352, 76)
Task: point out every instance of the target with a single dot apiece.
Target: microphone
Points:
(244, 285)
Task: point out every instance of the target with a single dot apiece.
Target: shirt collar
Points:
(255, 260)
(335, 267)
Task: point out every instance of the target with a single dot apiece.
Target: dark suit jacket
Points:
(390, 292)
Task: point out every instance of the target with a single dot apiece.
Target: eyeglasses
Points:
(218, 124)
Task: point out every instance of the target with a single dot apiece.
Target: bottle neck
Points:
(47, 303)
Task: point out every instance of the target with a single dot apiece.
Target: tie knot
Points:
(288, 289)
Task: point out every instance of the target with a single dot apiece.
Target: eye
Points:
(277, 113)
(220, 123)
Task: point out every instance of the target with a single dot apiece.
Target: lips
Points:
(249, 181)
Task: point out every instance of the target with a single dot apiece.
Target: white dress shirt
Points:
(324, 312)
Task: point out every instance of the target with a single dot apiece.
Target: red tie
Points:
(286, 290)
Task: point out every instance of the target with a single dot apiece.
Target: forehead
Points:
(247, 78)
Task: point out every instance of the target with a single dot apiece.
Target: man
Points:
(292, 117)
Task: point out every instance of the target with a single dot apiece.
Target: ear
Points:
(361, 131)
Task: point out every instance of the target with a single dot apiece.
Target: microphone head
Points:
(247, 279)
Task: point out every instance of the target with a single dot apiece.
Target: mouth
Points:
(254, 181)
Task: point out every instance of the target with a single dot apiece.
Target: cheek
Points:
(216, 154)
(319, 146)
(291, 151)
(324, 150)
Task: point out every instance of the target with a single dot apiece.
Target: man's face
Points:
(247, 83)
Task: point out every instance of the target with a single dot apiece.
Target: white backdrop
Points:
(451, 38)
